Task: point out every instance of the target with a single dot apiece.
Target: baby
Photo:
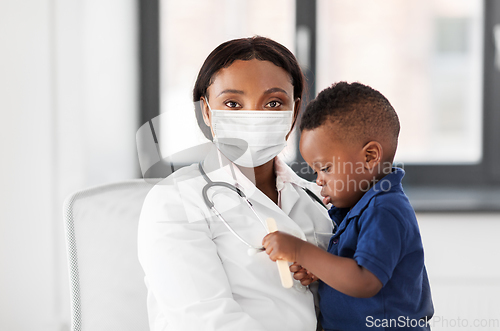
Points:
(373, 274)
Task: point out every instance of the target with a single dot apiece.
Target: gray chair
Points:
(107, 282)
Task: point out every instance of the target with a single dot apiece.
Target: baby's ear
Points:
(373, 154)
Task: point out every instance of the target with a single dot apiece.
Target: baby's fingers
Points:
(306, 281)
(299, 275)
(265, 240)
(295, 267)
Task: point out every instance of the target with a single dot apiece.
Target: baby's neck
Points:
(377, 175)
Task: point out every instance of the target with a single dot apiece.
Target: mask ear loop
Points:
(205, 100)
(208, 105)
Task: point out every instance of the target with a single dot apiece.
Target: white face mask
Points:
(251, 138)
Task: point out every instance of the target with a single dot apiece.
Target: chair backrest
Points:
(107, 281)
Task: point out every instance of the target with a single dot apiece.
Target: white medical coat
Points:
(199, 275)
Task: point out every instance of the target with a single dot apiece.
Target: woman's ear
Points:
(296, 110)
(296, 107)
(373, 154)
(205, 111)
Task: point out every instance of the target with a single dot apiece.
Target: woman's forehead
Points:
(246, 76)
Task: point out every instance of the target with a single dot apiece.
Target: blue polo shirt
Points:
(381, 233)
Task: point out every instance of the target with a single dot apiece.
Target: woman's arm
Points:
(341, 273)
(187, 284)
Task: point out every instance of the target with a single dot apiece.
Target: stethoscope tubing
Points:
(242, 195)
(211, 205)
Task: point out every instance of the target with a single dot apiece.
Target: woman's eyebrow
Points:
(275, 89)
(231, 91)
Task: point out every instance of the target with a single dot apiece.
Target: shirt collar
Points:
(284, 174)
(390, 182)
(220, 168)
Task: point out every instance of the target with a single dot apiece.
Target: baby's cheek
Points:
(335, 186)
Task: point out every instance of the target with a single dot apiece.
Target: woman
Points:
(199, 274)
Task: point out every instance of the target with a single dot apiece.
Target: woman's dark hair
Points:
(245, 49)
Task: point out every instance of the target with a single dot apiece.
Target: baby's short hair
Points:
(357, 111)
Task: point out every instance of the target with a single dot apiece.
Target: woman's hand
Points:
(282, 246)
(300, 273)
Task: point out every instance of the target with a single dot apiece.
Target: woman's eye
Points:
(274, 104)
(326, 169)
(232, 104)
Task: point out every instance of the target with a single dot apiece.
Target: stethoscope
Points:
(251, 249)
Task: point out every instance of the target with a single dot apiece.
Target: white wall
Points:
(461, 252)
(68, 105)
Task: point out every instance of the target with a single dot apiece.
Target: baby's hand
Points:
(302, 274)
(281, 246)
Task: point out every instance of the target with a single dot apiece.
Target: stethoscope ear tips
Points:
(252, 250)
